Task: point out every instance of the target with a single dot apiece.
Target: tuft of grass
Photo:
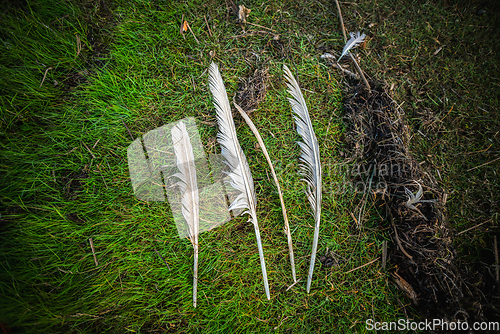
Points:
(66, 177)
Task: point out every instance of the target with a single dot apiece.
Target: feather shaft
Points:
(240, 176)
(310, 162)
(255, 131)
(188, 184)
(195, 272)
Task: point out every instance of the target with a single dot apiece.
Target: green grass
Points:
(65, 176)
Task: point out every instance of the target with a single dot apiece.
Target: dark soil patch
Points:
(75, 218)
(100, 19)
(252, 89)
(72, 183)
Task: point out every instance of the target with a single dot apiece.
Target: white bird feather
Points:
(240, 176)
(310, 163)
(188, 185)
(354, 41)
(416, 198)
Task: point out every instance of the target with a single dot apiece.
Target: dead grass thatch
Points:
(422, 252)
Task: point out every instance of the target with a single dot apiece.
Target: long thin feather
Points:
(354, 41)
(239, 175)
(188, 184)
(310, 163)
(255, 131)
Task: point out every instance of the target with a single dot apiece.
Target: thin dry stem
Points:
(341, 20)
(192, 33)
(364, 265)
(361, 74)
(346, 71)
(268, 158)
(208, 26)
(497, 269)
(384, 254)
(256, 25)
(126, 127)
(473, 227)
(399, 243)
(93, 251)
(44, 75)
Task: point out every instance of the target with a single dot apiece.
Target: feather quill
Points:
(240, 176)
(252, 126)
(354, 41)
(188, 185)
(310, 163)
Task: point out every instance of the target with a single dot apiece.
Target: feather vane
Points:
(354, 41)
(240, 176)
(310, 163)
(188, 185)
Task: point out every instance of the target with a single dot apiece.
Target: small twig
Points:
(399, 243)
(192, 33)
(364, 265)
(497, 268)
(363, 205)
(384, 254)
(441, 119)
(481, 151)
(346, 71)
(473, 227)
(65, 271)
(88, 149)
(281, 322)
(161, 257)
(293, 284)
(439, 49)
(44, 75)
(354, 217)
(253, 24)
(487, 163)
(361, 74)
(58, 155)
(252, 33)
(104, 180)
(93, 251)
(341, 20)
(126, 127)
(208, 26)
(78, 45)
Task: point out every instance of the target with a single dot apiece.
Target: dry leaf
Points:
(243, 13)
(184, 27)
(406, 287)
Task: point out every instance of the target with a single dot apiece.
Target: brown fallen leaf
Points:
(406, 287)
(183, 27)
(243, 13)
